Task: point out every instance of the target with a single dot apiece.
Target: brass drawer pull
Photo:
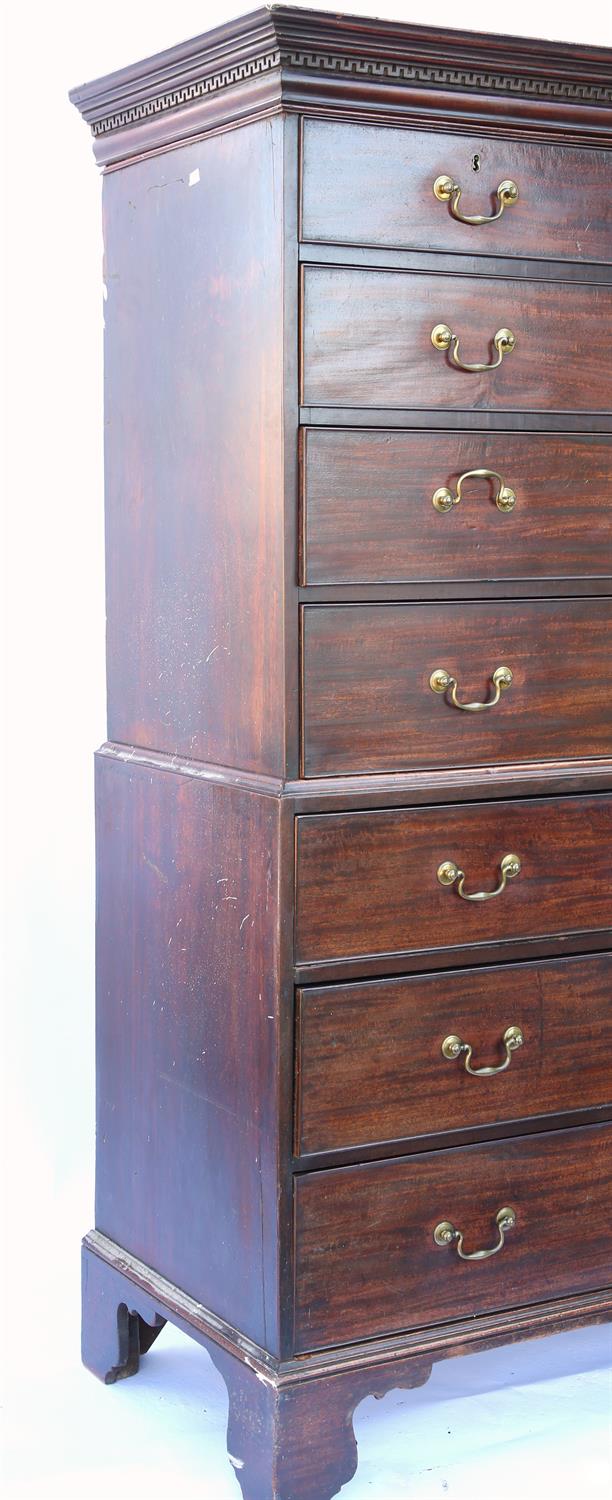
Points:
(443, 338)
(453, 1047)
(441, 681)
(448, 872)
(445, 1234)
(447, 191)
(505, 498)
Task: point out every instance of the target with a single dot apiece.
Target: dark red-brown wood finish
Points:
(368, 514)
(367, 342)
(194, 482)
(367, 1262)
(188, 1035)
(364, 185)
(371, 1066)
(279, 1130)
(367, 883)
(368, 704)
(290, 1427)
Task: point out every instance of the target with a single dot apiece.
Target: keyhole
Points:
(476, 163)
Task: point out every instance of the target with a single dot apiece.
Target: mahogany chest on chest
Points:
(355, 809)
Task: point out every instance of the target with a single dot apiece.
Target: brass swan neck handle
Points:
(442, 681)
(453, 1047)
(505, 498)
(443, 338)
(445, 1234)
(447, 191)
(449, 874)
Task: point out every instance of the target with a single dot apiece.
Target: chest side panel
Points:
(188, 1035)
(193, 362)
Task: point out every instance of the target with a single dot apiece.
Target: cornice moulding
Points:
(281, 57)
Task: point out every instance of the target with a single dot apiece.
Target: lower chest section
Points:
(452, 1144)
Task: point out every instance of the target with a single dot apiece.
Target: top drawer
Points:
(367, 185)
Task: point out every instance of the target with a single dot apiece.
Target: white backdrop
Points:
(152, 1436)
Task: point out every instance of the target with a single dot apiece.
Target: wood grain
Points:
(367, 882)
(188, 1036)
(367, 342)
(296, 1441)
(194, 468)
(290, 1429)
(213, 901)
(139, 1285)
(366, 1262)
(469, 784)
(368, 515)
(368, 185)
(371, 1069)
(465, 419)
(312, 62)
(368, 705)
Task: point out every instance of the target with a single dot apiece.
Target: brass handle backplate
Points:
(447, 191)
(445, 1234)
(442, 681)
(505, 498)
(443, 338)
(450, 874)
(453, 1047)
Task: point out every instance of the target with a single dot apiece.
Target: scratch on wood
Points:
(152, 866)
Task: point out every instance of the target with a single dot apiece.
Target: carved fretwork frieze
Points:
(282, 58)
(448, 77)
(385, 72)
(175, 98)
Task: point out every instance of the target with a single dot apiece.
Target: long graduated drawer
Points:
(376, 883)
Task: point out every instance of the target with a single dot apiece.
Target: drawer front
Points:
(366, 185)
(367, 1263)
(371, 1066)
(368, 703)
(367, 342)
(369, 517)
(367, 882)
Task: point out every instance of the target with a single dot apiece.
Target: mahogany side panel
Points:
(366, 1258)
(188, 1036)
(370, 1062)
(367, 881)
(194, 465)
(368, 515)
(367, 342)
(369, 185)
(368, 705)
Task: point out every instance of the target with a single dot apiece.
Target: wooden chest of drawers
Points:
(355, 811)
